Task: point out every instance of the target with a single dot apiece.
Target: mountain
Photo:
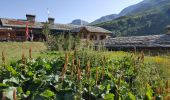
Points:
(79, 22)
(145, 18)
(104, 19)
(142, 6)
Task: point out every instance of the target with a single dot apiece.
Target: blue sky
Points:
(64, 11)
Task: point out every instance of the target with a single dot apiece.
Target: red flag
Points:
(27, 31)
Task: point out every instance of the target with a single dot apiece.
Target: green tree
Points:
(46, 30)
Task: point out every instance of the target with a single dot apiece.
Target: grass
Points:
(162, 61)
(14, 50)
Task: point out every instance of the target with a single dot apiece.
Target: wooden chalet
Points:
(92, 33)
(15, 29)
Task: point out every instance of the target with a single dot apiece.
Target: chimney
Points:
(30, 17)
(51, 20)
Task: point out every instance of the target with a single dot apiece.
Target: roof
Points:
(92, 29)
(4, 28)
(38, 25)
(139, 41)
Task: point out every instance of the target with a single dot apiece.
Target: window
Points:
(85, 36)
(93, 37)
(102, 37)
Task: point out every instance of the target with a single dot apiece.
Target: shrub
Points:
(61, 41)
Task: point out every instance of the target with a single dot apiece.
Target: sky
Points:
(64, 11)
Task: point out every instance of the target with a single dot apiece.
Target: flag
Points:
(27, 31)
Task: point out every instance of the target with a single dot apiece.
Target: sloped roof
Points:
(56, 26)
(38, 25)
(91, 29)
(139, 41)
(63, 26)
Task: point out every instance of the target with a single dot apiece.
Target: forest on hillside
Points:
(149, 22)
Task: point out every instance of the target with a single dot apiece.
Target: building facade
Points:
(15, 30)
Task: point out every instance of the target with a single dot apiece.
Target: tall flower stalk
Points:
(14, 95)
(88, 70)
(64, 70)
(30, 53)
(72, 67)
(66, 58)
(78, 71)
(97, 75)
(103, 70)
(3, 57)
(142, 56)
(23, 58)
(3, 96)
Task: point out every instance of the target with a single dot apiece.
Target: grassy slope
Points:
(14, 50)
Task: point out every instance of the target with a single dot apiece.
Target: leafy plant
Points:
(79, 75)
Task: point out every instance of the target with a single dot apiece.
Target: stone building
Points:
(15, 29)
(145, 43)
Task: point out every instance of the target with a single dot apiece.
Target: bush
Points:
(60, 42)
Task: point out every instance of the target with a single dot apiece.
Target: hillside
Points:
(142, 6)
(104, 19)
(141, 20)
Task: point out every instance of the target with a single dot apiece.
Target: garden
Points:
(66, 69)
(84, 74)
